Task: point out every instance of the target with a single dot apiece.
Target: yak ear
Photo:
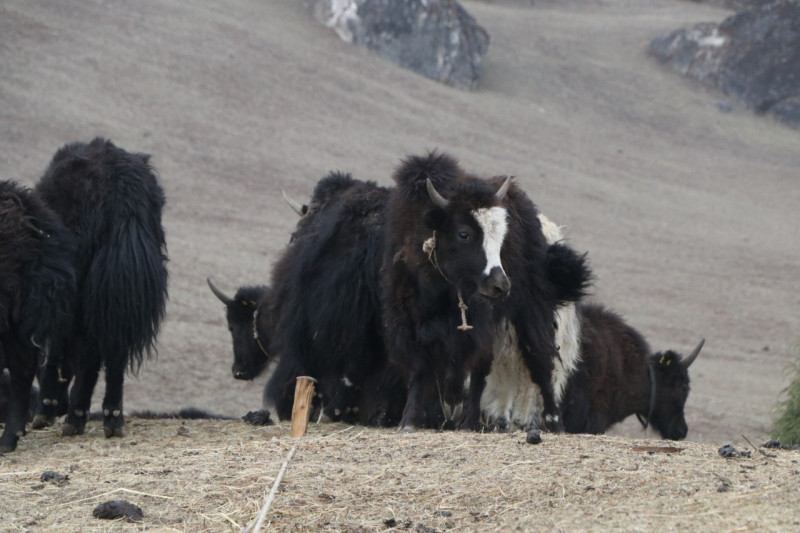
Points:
(668, 359)
(435, 218)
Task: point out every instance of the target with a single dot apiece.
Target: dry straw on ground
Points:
(215, 475)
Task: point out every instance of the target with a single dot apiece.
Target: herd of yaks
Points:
(446, 301)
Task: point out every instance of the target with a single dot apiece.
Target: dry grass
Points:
(214, 476)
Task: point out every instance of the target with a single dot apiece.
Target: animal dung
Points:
(730, 451)
(50, 476)
(534, 436)
(301, 410)
(118, 509)
(258, 418)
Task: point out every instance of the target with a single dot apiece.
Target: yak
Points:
(37, 295)
(465, 262)
(618, 376)
(111, 201)
(320, 314)
(511, 399)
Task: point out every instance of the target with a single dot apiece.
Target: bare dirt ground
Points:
(689, 215)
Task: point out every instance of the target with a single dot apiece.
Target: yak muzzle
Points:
(496, 285)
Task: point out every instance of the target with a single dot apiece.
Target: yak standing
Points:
(37, 294)
(466, 261)
(111, 201)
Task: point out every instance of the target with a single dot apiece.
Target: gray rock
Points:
(435, 38)
(753, 56)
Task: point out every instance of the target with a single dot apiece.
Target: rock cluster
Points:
(753, 56)
(435, 38)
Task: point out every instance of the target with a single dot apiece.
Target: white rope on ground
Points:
(268, 502)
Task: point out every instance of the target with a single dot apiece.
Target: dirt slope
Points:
(689, 215)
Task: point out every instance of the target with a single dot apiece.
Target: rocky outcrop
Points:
(435, 38)
(753, 55)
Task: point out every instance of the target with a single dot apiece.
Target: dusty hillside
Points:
(689, 215)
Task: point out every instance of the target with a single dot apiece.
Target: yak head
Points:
(670, 392)
(250, 326)
(469, 237)
(464, 222)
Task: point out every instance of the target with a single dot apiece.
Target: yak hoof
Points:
(113, 432)
(42, 421)
(406, 429)
(68, 430)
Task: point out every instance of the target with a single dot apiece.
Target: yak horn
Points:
(692, 356)
(37, 231)
(501, 192)
(227, 300)
(437, 198)
(296, 206)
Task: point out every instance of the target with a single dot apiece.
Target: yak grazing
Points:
(466, 261)
(111, 201)
(619, 376)
(37, 294)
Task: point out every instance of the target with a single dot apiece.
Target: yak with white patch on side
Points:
(619, 376)
(465, 261)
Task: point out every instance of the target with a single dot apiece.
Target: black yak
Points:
(320, 314)
(466, 261)
(618, 376)
(111, 201)
(37, 294)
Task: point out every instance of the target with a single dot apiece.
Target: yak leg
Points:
(414, 411)
(113, 420)
(80, 398)
(472, 406)
(22, 362)
(53, 394)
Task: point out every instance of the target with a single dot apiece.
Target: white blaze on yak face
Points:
(493, 221)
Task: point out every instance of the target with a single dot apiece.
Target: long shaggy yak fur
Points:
(111, 201)
(324, 297)
(37, 295)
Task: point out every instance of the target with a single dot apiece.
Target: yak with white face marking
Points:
(463, 256)
(511, 399)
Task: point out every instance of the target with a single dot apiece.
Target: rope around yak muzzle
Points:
(429, 247)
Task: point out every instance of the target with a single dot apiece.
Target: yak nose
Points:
(496, 285)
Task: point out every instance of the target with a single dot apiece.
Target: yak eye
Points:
(463, 235)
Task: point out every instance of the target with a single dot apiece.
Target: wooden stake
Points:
(301, 410)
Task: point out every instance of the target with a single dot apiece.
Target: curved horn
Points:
(227, 300)
(296, 206)
(692, 356)
(501, 192)
(437, 198)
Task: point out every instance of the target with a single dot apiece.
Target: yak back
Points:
(612, 377)
(111, 200)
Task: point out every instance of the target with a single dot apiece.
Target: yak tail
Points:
(125, 291)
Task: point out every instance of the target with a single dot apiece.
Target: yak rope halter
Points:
(255, 333)
(643, 422)
(429, 247)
